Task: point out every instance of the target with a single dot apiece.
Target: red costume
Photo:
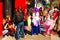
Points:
(55, 15)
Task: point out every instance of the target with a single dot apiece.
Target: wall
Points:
(23, 4)
(1, 8)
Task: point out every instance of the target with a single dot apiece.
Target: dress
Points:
(47, 24)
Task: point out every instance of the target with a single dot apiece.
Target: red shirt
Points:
(25, 14)
(55, 15)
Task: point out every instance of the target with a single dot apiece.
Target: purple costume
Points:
(36, 23)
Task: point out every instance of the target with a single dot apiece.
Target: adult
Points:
(19, 21)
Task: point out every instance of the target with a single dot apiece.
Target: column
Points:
(7, 7)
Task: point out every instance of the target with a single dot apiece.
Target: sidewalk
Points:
(53, 37)
(35, 37)
(28, 37)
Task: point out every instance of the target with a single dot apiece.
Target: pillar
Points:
(7, 7)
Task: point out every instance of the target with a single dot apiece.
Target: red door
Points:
(23, 4)
(1, 12)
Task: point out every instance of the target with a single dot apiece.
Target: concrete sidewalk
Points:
(35, 37)
(28, 37)
(53, 37)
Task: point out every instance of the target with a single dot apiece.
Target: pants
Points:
(5, 32)
(36, 29)
(20, 30)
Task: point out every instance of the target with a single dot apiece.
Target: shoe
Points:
(32, 35)
(22, 36)
(17, 39)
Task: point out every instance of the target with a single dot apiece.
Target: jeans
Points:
(36, 29)
(20, 29)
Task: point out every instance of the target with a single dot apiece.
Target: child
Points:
(47, 24)
(36, 23)
(29, 22)
(11, 28)
(5, 29)
(54, 19)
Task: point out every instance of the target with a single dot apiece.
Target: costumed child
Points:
(5, 25)
(47, 24)
(11, 27)
(54, 19)
(36, 23)
(29, 22)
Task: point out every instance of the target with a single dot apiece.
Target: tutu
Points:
(48, 23)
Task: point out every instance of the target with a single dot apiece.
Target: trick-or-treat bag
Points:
(27, 28)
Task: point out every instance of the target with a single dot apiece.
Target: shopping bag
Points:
(25, 28)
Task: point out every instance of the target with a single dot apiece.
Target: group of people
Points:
(15, 26)
(32, 21)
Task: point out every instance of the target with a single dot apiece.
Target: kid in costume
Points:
(47, 24)
(36, 23)
(29, 22)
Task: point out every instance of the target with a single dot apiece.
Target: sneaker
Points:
(32, 35)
